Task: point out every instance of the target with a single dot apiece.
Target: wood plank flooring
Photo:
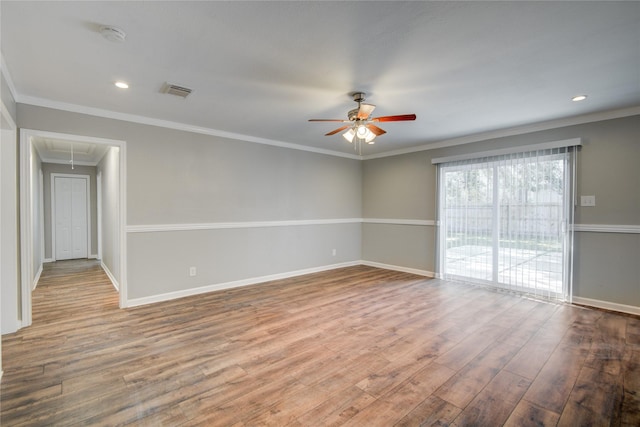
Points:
(357, 346)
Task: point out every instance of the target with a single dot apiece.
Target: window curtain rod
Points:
(509, 150)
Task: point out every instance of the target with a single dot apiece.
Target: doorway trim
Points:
(31, 261)
(87, 178)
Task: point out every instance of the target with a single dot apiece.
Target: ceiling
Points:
(262, 69)
(53, 150)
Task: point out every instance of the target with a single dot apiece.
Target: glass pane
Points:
(531, 214)
(469, 211)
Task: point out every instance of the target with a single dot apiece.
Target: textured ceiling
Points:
(262, 69)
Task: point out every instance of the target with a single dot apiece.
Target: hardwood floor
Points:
(357, 346)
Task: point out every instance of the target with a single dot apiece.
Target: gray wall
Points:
(47, 170)
(606, 264)
(181, 178)
(176, 177)
(399, 187)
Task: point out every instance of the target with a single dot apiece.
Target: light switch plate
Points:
(587, 200)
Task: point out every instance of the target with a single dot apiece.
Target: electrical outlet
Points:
(587, 200)
(192, 271)
(333, 252)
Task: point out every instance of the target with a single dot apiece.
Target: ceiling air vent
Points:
(176, 90)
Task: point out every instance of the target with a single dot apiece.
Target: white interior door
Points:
(70, 218)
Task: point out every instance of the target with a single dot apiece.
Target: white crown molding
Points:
(424, 222)
(607, 305)
(517, 130)
(133, 118)
(607, 228)
(499, 133)
(246, 224)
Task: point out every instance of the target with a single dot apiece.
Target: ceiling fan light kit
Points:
(361, 128)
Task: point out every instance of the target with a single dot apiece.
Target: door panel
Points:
(70, 218)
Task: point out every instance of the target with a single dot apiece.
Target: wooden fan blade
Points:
(375, 129)
(399, 118)
(329, 120)
(333, 132)
(365, 111)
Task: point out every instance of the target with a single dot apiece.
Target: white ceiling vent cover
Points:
(176, 90)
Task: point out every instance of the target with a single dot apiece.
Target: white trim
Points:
(26, 231)
(99, 213)
(425, 222)
(509, 150)
(517, 130)
(623, 308)
(46, 260)
(53, 177)
(92, 256)
(499, 133)
(41, 211)
(36, 279)
(110, 275)
(122, 222)
(248, 224)
(70, 137)
(416, 271)
(234, 284)
(154, 228)
(66, 162)
(98, 112)
(607, 228)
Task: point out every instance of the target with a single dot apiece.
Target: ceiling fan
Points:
(361, 125)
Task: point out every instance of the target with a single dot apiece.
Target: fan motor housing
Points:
(353, 114)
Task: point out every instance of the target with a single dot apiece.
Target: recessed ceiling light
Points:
(579, 98)
(122, 85)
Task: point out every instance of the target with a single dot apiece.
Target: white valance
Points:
(509, 150)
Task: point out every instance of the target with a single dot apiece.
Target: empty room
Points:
(314, 213)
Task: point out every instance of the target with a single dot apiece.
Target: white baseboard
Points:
(607, 305)
(48, 260)
(114, 282)
(235, 284)
(399, 268)
(36, 279)
(93, 256)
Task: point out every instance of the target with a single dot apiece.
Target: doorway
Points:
(70, 220)
(506, 221)
(113, 172)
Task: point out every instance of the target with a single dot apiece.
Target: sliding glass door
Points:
(504, 221)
